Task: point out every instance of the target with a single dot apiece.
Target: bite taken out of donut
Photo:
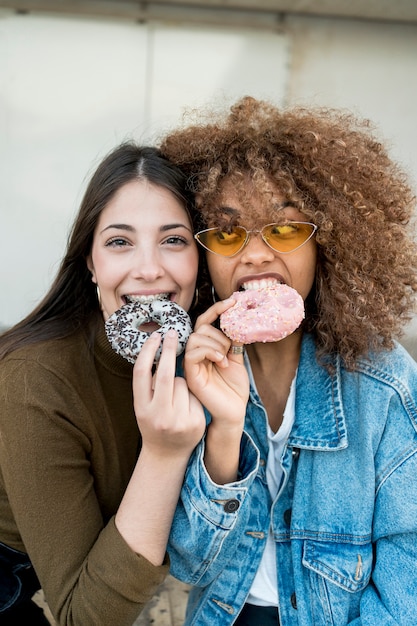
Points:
(263, 315)
(127, 338)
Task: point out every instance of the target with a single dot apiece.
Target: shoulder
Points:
(379, 378)
(63, 359)
(47, 385)
(389, 377)
(395, 367)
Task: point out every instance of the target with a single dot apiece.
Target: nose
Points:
(147, 265)
(256, 251)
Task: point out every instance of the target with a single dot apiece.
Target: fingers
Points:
(219, 346)
(207, 343)
(142, 370)
(210, 316)
(166, 368)
(144, 379)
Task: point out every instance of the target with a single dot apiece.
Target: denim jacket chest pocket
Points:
(338, 573)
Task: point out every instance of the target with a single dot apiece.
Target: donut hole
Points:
(148, 327)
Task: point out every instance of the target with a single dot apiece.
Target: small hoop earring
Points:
(213, 295)
(98, 296)
(196, 296)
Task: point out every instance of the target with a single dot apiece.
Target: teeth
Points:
(260, 284)
(148, 299)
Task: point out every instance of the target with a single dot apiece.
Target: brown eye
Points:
(228, 238)
(288, 237)
(286, 230)
(223, 242)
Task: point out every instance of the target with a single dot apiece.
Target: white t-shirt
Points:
(264, 587)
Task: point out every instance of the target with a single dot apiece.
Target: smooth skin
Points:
(224, 390)
(143, 245)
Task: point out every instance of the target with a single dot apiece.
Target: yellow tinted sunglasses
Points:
(282, 238)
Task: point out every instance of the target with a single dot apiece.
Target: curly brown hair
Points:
(341, 177)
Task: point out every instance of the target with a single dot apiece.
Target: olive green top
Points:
(68, 445)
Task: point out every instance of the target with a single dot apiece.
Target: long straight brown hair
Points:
(71, 302)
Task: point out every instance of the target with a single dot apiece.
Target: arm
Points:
(62, 460)
(171, 422)
(390, 597)
(210, 518)
(219, 380)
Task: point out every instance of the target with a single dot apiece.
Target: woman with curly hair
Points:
(300, 504)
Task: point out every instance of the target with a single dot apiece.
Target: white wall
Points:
(367, 67)
(70, 89)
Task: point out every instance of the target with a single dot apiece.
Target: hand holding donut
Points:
(170, 418)
(214, 374)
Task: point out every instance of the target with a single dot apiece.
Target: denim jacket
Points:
(344, 520)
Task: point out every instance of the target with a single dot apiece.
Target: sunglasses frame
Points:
(261, 232)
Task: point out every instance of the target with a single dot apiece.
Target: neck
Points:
(274, 366)
(282, 354)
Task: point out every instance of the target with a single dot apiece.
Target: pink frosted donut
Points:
(267, 314)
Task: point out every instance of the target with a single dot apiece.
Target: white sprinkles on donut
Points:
(262, 315)
(123, 327)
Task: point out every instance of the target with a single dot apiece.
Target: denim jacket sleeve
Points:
(391, 599)
(205, 530)
(389, 576)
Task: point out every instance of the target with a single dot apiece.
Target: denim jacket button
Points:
(287, 517)
(293, 601)
(231, 506)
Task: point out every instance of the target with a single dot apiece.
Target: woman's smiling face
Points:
(143, 245)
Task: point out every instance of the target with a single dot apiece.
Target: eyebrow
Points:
(228, 210)
(278, 206)
(130, 228)
(294, 204)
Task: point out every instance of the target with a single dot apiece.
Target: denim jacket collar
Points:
(320, 420)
